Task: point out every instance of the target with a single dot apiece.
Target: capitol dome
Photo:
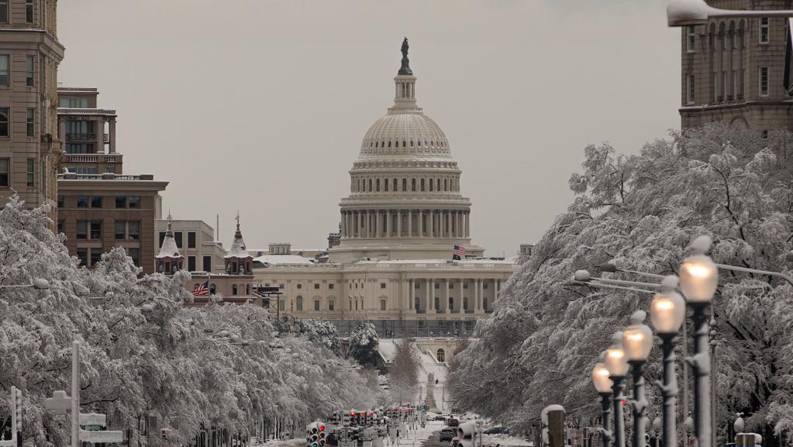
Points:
(405, 200)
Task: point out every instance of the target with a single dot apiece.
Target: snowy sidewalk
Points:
(415, 438)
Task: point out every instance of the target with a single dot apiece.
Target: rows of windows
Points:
(124, 230)
(762, 85)
(4, 13)
(73, 102)
(5, 70)
(5, 122)
(406, 143)
(413, 184)
(121, 202)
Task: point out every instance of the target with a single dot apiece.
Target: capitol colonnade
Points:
(405, 223)
(450, 296)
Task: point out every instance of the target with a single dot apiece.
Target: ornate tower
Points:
(169, 260)
(405, 200)
(238, 261)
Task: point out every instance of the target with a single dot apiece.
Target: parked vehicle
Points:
(497, 430)
(452, 422)
(447, 434)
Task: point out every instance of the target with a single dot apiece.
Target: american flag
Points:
(201, 289)
(459, 251)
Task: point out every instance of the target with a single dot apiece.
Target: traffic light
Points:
(322, 433)
(312, 435)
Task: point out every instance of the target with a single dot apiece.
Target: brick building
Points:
(737, 70)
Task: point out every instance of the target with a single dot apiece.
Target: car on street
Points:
(447, 434)
(497, 430)
(452, 422)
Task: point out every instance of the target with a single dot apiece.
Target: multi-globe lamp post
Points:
(637, 342)
(699, 278)
(603, 385)
(617, 365)
(667, 314)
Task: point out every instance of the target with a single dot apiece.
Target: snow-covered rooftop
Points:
(168, 248)
(283, 260)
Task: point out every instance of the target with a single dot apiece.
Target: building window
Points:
(300, 286)
(29, 121)
(4, 171)
(383, 304)
(331, 305)
(82, 255)
(95, 229)
(4, 11)
(121, 202)
(82, 201)
(133, 202)
(382, 285)
(96, 256)
(134, 253)
(764, 30)
(233, 289)
(690, 90)
(128, 230)
(29, 11)
(418, 286)
(61, 202)
(30, 66)
(316, 305)
(330, 286)
(316, 286)
(191, 263)
(440, 355)
(191, 239)
(89, 229)
(31, 172)
(4, 70)
(60, 226)
(299, 303)
(691, 39)
(4, 127)
(763, 78)
(414, 185)
(96, 202)
(177, 235)
(207, 263)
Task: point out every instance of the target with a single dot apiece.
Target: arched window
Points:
(414, 184)
(404, 143)
(389, 143)
(440, 355)
(394, 185)
(438, 184)
(383, 304)
(370, 185)
(430, 184)
(419, 143)
(385, 185)
(422, 184)
(377, 185)
(316, 304)
(404, 184)
(331, 304)
(234, 289)
(411, 143)
(445, 184)
(299, 303)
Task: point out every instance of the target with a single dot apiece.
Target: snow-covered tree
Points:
(363, 344)
(640, 212)
(142, 352)
(404, 371)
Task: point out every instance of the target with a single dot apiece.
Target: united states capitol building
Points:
(391, 262)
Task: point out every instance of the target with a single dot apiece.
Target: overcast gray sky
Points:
(261, 105)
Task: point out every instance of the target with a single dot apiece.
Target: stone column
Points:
(479, 297)
(343, 224)
(399, 223)
(448, 309)
(431, 222)
(388, 218)
(498, 290)
(467, 224)
(412, 296)
(431, 296)
(378, 224)
(112, 135)
(100, 135)
(410, 223)
(462, 293)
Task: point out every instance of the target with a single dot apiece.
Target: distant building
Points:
(236, 284)
(402, 223)
(97, 212)
(525, 252)
(100, 207)
(88, 133)
(738, 70)
(196, 241)
(29, 58)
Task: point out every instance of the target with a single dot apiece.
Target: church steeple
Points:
(169, 260)
(405, 97)
(238, 261)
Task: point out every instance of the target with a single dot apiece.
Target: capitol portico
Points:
(404, 215)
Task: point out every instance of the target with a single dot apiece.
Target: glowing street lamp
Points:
(616, 363)
(699, 278)
(637, 340)
(603, 384)
(667, 314)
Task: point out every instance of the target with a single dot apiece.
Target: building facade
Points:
(196, 241)
(88, 133)
(738, 70)
(97, 212)
(404, 218)
(29, 58)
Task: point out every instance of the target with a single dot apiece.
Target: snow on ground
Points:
(416, 437)
(427, 365)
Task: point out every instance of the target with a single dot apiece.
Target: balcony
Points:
(92, 158)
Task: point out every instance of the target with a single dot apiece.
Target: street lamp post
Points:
(603, 385)
(37, 283)
(637, 340)
(617, 366)
(667, 313)
(698, 280)
(697, 12)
